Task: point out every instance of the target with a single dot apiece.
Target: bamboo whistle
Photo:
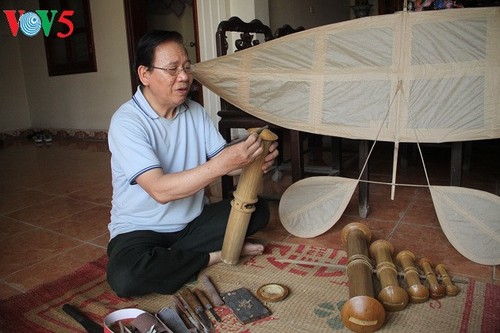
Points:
(417, 291)
(435, 288)
(362, 312)
(392, 296)
(243, 204)
(451, 289)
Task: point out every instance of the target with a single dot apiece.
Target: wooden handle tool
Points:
(196, 306)
(206, 303)
(89, 325)
(212, 292)
(185, 312)
(451, 289)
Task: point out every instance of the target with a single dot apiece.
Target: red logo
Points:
(30, 23)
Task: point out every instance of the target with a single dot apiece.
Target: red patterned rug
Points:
(313, 305)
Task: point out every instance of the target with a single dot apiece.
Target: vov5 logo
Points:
(30, 23)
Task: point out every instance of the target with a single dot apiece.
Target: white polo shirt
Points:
(140, 140)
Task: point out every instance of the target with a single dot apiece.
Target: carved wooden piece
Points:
(417, 291)
(451, 289)
(244, 201)
(436, 289)
(362, 312)
(246, 29)
(392, 296)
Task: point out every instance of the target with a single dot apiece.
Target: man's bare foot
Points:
(249, 249)
(252, 249)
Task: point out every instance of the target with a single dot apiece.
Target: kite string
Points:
(422, 159)
(393, 183)
(387, 183)
(380, 130)
(417, 142)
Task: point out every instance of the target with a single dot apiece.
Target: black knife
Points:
(87, 323)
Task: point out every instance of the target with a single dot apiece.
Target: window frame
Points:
(81, 39)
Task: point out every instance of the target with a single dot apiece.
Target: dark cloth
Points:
(143, 262)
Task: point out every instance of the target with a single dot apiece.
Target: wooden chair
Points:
(233, 117)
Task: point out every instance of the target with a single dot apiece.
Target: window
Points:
(73, 53)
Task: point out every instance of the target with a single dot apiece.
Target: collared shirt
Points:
(140, 140)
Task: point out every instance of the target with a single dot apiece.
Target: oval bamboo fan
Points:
(311, 206)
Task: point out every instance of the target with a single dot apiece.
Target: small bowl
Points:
(272, 292)
(125, 315)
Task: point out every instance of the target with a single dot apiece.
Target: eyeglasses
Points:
(174, 71)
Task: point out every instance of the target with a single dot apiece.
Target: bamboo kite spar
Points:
(243, 204)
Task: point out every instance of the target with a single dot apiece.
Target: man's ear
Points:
(143, 72)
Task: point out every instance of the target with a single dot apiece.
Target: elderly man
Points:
(165, 151)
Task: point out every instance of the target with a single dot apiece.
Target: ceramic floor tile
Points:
(101, 193)
(431, 243)
(381, 206)
(11, 201)
(101, 241)
(7, 291)
(84, 226)
(31, 247)
(10, 227)
(422, 212)
(66, 184)
(54, 267)
(53, 210)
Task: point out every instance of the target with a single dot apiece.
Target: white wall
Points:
(14, 110)
(80, 101)
(307, 13)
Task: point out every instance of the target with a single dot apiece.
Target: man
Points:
(165, 151)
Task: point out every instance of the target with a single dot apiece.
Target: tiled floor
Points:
(55, 202)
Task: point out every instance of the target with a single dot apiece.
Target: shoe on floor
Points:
(38, 138)
(47, 138)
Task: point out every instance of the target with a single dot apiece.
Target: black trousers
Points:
(143, 262)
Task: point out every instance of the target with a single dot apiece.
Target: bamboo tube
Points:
(243, 204)
(435, 288)
(451, 289)
(362, 312)
(392, 296)
(417, 291)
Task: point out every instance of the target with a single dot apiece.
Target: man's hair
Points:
(145, 52)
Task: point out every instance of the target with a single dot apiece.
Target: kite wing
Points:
(470, 220)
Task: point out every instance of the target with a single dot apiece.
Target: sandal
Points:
(47, 137)
(38, 138)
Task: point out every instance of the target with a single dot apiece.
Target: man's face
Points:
(168, 90)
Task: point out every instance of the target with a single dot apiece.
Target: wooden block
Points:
(245, 306)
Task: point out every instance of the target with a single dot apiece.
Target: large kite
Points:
(421, 77)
